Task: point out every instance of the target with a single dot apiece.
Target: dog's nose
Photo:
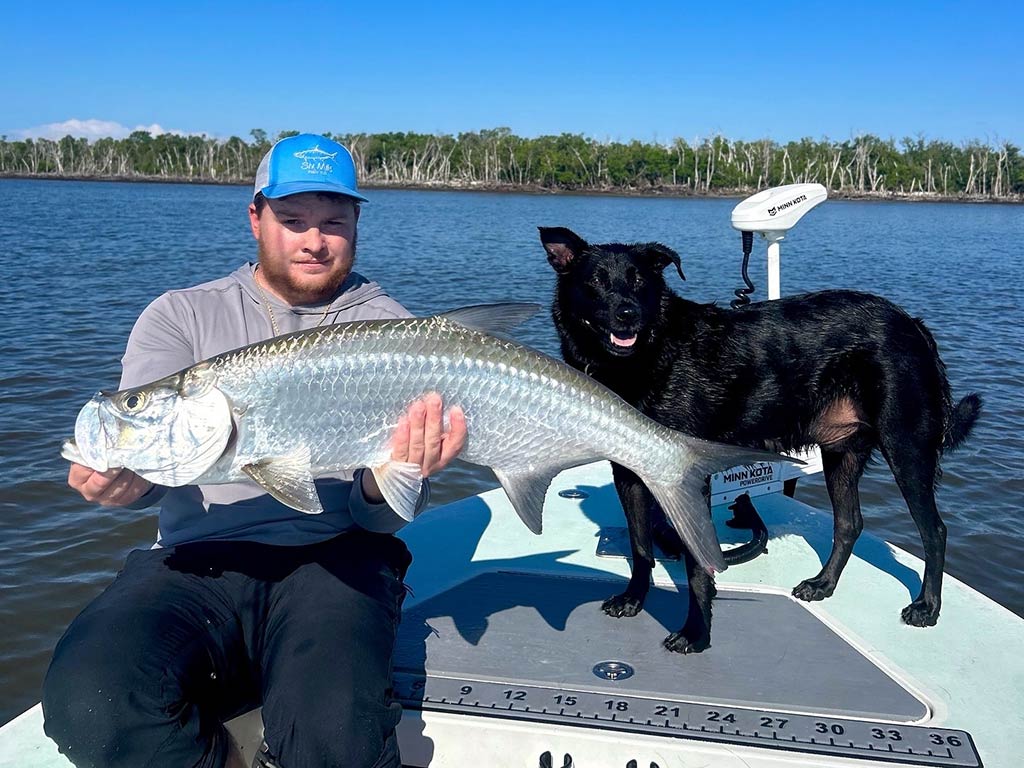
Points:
(626, 314)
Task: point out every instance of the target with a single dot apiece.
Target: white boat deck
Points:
(964, 675)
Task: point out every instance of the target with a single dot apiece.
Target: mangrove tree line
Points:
(866, 165)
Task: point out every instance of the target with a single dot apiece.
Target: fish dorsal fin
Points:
(400, 483)
(526, 491)
(492, 318)
(288, 479)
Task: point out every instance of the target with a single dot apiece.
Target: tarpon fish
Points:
(284, 411)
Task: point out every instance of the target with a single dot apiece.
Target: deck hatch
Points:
(525, 645)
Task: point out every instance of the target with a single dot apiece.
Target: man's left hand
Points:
(420, 439)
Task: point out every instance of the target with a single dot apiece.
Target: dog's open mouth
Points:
(621, 342)
(617, 342)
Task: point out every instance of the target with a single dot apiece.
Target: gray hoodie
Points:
(186, 326)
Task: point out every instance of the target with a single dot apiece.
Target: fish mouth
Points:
(177, 439)
(90, 441)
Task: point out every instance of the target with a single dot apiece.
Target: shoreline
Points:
(678, 192)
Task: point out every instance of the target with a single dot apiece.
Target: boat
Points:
(505, 657)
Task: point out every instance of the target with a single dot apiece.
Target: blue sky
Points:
(618, 71)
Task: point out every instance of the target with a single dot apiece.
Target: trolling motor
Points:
(771, 213)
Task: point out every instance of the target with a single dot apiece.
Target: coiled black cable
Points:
(743, 294)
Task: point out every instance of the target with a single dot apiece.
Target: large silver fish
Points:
(295, 407)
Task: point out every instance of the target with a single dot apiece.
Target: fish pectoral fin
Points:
(493, 318)
(400, 484)
(287, 479)
(526, 491)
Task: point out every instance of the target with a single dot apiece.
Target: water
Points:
(79, 261)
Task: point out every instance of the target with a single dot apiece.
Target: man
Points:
(245, 601)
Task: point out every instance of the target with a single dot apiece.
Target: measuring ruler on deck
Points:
(833, 736)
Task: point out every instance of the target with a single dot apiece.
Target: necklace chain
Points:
(266, 303)
(270, 310)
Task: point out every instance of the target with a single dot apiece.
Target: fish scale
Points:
(328, 399)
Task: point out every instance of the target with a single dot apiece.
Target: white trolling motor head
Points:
(773, 212)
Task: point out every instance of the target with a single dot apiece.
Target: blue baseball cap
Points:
(306, 163)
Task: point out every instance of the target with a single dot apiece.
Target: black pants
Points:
(188, 637)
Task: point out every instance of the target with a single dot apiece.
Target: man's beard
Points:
(297, 292)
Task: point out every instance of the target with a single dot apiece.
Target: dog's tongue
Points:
(618, 341)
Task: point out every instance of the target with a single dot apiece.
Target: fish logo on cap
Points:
(315, 160)
(315, 154)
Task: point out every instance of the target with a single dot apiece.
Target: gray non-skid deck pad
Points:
(768, 652)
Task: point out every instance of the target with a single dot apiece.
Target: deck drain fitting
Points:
(573, 493)
(613, 670)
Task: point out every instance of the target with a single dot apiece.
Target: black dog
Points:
(850, 372)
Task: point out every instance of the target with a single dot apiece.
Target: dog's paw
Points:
(622, 606)
(814, 589)
(920, 613)
(677, 642)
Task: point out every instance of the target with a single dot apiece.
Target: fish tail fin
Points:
(686, 507)
(685, 501)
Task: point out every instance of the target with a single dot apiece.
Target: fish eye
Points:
(133, 402)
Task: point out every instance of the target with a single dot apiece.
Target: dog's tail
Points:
(960, 421)
(683, 498)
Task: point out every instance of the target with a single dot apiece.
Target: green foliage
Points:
(498, 158)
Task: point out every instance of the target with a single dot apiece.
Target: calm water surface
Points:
(79, 261)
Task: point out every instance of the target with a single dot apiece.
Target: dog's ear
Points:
(661, 255)
(563, 247)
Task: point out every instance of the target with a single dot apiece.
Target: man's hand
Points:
(420, 439)
(114, 488)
